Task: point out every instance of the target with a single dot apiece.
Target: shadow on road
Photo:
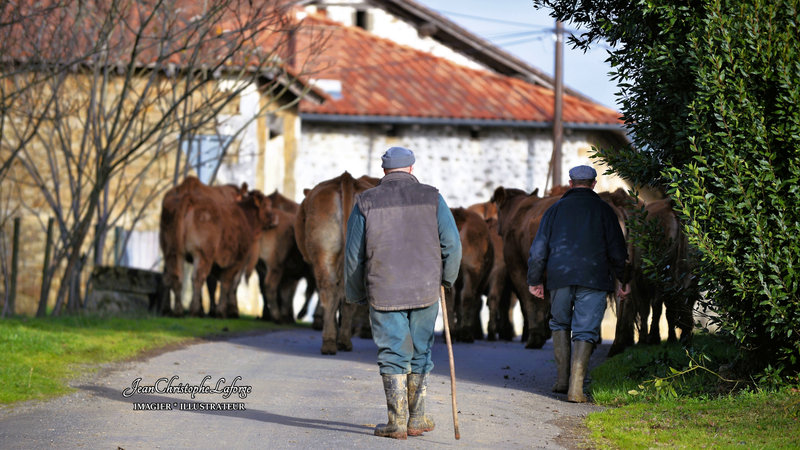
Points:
(499, 363)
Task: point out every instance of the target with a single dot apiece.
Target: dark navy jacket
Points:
(579, 242)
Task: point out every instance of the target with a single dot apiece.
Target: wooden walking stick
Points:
(452, 364)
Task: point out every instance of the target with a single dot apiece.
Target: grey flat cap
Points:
(397, 157)
(582, 173)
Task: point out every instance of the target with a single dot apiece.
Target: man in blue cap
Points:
(581, 247)
(402, 244)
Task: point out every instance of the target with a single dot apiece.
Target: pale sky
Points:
(527, 33)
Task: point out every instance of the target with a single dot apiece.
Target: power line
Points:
(487, 19)
(492, 37)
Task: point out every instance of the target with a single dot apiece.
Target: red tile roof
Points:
(382, 78)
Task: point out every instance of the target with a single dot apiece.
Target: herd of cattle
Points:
(227, 231)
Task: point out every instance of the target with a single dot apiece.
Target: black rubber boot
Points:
(561, 350)
(580, 362)
(418, 421)
(396, 389)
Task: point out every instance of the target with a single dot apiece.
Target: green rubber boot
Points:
(561, 351)
(396, 389)
(580, 362)
(418, 421)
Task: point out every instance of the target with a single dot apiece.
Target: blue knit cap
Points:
(397, 157)
(582, 173)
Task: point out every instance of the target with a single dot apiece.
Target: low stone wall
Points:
(115, 290)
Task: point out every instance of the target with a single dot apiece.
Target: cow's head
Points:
(263, 205)
(506, 200)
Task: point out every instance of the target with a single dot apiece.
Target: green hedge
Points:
(711, 93)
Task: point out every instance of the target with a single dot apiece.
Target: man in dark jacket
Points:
(402, 244)
(581, 247)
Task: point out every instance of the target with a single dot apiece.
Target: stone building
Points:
(477, 118)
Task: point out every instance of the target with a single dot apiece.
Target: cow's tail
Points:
(348, 192)
(348, 199)
(300, 230)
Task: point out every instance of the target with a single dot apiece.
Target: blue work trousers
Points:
(404, 339)
(578, 309)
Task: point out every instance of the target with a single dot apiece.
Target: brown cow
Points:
(518, 215)
(168, 241)
(678, 294)
(320, 233)
(499, 298)
(279, 252)
(464, 299)
(210, 230)
(280, 268)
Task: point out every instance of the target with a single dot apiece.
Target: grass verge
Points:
(40, 356)
(669, 396)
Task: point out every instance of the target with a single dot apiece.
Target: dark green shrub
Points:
(711, 93)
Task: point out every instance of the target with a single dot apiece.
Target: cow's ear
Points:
(535, 193)
(499, 196)
(306, 191)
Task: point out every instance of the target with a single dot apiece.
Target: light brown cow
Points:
(209, 230)
(320, 230)
(464, 299)
(499, 298)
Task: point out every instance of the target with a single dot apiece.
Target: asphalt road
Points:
(287, 395)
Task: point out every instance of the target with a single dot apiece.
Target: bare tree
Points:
(108, 91)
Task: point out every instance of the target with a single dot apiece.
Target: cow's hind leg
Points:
(272, 289)
(344, 339)
(506, 318)
(623, 336)
(539, 328)
(261, 271)
(202, 268)
(286, 290)
(229, 308)
(329, 301)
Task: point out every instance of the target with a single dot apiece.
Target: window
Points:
(362, 19)
(204, 153)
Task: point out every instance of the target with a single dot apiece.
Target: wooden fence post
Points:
(41, 311)
(98, 246)
(12, 298)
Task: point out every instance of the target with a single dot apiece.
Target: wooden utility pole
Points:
(558, 127)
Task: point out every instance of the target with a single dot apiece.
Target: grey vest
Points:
(403, 253)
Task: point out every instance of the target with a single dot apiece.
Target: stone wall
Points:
(464, 166)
